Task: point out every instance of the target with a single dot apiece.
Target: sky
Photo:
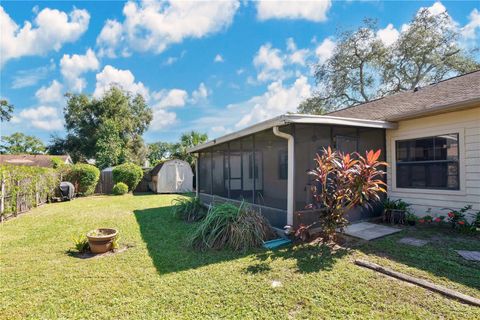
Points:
(214, 67)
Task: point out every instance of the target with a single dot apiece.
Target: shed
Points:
(172, 176)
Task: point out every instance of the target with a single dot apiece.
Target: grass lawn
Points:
(160, 277)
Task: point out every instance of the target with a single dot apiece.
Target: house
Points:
(39, 160)
(430, 136)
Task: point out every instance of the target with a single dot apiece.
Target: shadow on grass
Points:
(308, 258)
(166, 239)
(438, 257)
(167, 242)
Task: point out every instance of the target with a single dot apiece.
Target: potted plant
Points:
(101, 240)
(395, 210)
(411, 219)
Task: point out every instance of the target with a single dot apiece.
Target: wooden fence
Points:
(105, 183)
(24, 199)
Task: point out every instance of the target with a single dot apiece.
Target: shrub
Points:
(188, 209)
(29, 185)
(120, 188)
(81, 243)
(228, 226)
(84, 177)
(128, 173)
(456, 218)
(343, 181)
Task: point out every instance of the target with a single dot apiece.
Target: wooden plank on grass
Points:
(420, 282)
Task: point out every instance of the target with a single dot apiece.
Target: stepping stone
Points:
(413, 242)
(469, 255)
(369, 231)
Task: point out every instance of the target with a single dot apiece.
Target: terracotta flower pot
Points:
(100, 240)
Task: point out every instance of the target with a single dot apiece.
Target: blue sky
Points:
(210, 66)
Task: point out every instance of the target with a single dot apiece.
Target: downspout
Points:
(291, 172)
(196, 176)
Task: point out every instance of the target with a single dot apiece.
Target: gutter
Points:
(291, 172)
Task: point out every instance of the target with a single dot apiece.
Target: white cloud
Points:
(43, 117)
(72, 67)
(240, 71)
(315, 10)
(469, 31)
(50, 94)
(170, 98)
(111, 76)
(154, 25)
(162, 119)
(388, 35)
(325, 50)
(269, 62)
(437, 8)
(199, 94)
(50, 30)
(278, 99)
(218, 58)
(109, 38)
(30, 77)
(296, 56)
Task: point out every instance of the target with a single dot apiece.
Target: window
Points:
(428, 163)
(283, 164)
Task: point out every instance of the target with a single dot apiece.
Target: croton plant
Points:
(343, 181)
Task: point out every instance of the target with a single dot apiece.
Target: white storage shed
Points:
(172, 176)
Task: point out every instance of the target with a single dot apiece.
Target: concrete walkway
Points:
(369, 231)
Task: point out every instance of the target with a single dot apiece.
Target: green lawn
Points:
(160, 277)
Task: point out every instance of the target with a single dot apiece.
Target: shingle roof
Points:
(40, 160)
(433, 98)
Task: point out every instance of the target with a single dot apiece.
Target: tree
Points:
(109, 145)
(363, 68)
(6, 110)
(188, 140)
(19, 143)
(313, 105)
(110, 127)
(159, 151)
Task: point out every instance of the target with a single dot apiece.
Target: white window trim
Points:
(429, 133)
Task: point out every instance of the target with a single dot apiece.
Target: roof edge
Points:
(286, 119)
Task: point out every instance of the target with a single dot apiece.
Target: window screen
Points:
(428, 163)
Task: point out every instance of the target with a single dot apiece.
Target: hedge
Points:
(128, 173)
(26, 187)
(84, 177)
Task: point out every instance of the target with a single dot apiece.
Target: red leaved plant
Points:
(344, 181)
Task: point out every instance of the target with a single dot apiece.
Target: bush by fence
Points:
(128, 173)
(23, 188)
(84, 177)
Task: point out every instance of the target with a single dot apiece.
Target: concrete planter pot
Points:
(100, 240)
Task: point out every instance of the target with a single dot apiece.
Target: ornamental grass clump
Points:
(238, 228)
(342, 182)
(188, 209)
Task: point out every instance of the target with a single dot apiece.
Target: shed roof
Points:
(294, 118)
(447, 95)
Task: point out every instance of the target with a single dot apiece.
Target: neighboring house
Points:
(39, 160)
(431, 137)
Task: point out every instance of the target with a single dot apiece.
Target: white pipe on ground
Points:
(291, 172)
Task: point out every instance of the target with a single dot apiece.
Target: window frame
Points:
(418, 134)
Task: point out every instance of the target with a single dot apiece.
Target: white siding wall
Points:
(467, 124)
